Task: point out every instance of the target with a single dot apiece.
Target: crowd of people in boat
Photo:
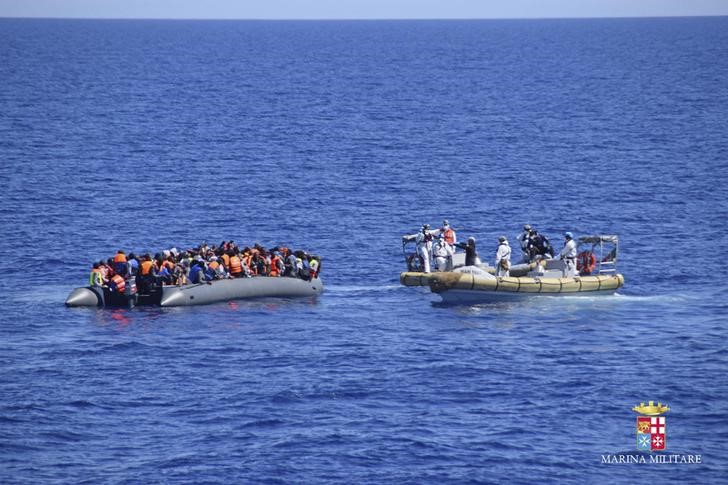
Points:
(437, 246)
(202, 264)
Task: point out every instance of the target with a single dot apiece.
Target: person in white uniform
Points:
(503, 257)
(568, 254)
(424, 246)
(442, 252)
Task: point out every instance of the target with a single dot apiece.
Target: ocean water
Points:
(339, 137)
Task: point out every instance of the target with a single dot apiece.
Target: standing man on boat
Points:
(503, 258)
(424, 246)
(442, 252)
(568, 254)
(523, 239)
(448, 233)
(471, 255)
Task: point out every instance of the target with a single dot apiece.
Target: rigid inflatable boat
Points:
(198, 294)
(597, 265)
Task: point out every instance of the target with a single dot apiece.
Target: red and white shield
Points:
(654, 427)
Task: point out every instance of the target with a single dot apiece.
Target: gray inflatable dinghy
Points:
(199, 294)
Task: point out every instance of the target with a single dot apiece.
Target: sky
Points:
(358, 9)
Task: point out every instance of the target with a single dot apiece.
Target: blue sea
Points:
(339, 137)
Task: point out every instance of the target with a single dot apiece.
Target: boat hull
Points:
(239, 288)
(201, 294)
(468, 288)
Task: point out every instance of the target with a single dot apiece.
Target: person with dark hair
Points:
(471, 254)
(290, 270)
(538, 244)
(197, 272)
(523, 239)
(96, 278)
(133, 263)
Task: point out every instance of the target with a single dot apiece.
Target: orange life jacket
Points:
(274, 266)
(236, 266)
(213, 265)
(120, 258)
(449, 236)
(119, 282)
(248, 261)
(146, 267)
(226, 260)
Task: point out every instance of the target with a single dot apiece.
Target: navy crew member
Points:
(471, 254)
(424, 246)
(503, 257)
(442, 252)
(568, 254)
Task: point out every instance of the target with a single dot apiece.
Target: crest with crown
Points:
(651, 409)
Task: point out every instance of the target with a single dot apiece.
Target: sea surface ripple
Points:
(339, 137)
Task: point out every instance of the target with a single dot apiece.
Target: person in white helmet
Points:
(424, 246)
(568, 254)
(503, 257)
(448, 233)
(442, 252)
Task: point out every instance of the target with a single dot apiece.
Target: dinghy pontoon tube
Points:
(201, 294)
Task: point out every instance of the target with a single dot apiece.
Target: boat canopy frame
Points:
(605, 248)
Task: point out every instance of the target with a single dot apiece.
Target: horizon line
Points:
(356, 19)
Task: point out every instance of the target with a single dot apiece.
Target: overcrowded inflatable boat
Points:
(200, 275)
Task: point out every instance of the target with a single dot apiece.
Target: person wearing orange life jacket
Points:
(448, 233)
(225, 258)
(216, 270)
(120, 263)
(96, 277)
(236, 266)
(147, 277)
(248, 266)
(117, 284)
(276, 265)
